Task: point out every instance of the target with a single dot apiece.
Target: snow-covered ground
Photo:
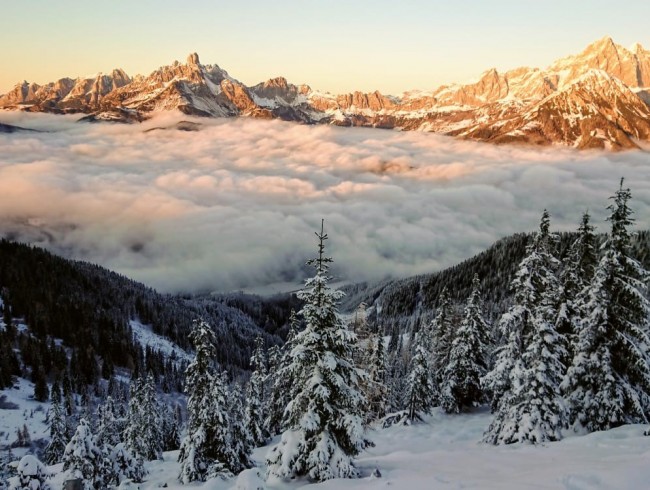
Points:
(444, 453)
(146, 338)
(28, 412)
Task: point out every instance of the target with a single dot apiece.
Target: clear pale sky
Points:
(334, 45)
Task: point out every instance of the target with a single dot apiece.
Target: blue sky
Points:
(331, 45)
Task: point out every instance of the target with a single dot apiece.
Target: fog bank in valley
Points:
(235, 204)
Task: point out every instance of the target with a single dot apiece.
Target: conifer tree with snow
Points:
(275, 403)
(375, 389)
(420, 388)
(576, 275)
(108, 427)
(31, 475)
(396, 376)
(528, 372)
(83, 459)
(123, 465)
(324, 424)
(281, 390)
(206, 450)
(6, 472)
(468, 358)
(58, 428)
(242, 442)
(441, 331)
(170, 429)
(255, 395)
(143, 432)
(608, 382)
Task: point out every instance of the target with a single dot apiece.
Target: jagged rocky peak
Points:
(490, 87)
(120, 77)
(277, 82)
(193, 59)
(279, 89)
(600, 96)
(606, 55)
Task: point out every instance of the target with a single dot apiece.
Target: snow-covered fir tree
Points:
(108, 426)
(206, 450)
(280, 388)
(420, 388)
(123, 465)
(608, 382)
(275, 404)
(528, 372)
(31, 475)
(576, 275)
(468, 358)
(241, 439)
(85, 460)
(441, 331)
(58, 428)
(375, 389)
(170, 429)
(6, 471)
(255, 395)
(398, 368)
(143, 432)
(324, 425)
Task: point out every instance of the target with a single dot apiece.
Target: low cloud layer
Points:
(235, 205)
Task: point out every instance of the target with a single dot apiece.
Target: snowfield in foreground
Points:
(444, 453)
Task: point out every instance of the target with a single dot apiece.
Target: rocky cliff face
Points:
(598, 98)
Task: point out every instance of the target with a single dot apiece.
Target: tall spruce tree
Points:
(58, 428)
(241, 439)
(442, 336)
(206, 449)
(468, 358)
(255, 395)
(375, 389)
(576, 275)
(527, 376)
(324, 425)
(170, 428)
(420, 388)
(608, 383)
(280, 389)
(143, 432)
(108, 427)
(397, 372)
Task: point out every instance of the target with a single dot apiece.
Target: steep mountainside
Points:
(405, 303)
(596, 99)
(93, 312)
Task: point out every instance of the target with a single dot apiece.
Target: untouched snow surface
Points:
(441, 453)
(444, 453)
(28, 412)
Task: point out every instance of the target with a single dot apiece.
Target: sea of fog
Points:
(235, 205)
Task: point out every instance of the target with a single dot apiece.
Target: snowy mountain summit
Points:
(598, 98)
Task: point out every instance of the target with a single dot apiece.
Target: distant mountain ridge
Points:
(599, 98)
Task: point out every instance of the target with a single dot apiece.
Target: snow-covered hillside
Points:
(18, 409)
(147, 338)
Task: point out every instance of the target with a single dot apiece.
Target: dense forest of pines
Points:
(560, 342)
(89, 309)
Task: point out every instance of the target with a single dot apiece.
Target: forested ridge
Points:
(89, 309)
(407, 303)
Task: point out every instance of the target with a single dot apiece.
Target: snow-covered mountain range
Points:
(599, 98)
